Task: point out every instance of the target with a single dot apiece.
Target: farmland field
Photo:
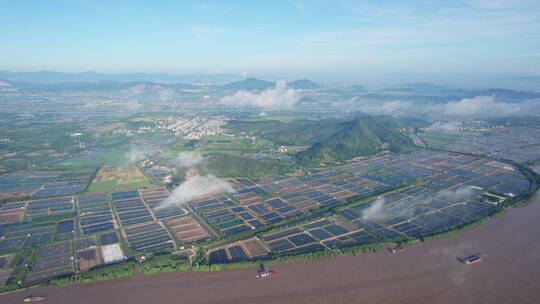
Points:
(111, 127)
(118, 178)
(88, 258)
(96, 158)
(439, 138)
(359, 204)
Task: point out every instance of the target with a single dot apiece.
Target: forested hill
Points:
(225, 165)
(362, 136)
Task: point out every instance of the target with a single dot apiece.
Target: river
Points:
(425, 273)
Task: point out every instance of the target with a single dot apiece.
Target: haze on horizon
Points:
(339, 41)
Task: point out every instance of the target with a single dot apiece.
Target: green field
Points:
(108, 158)
(116, 179)
(113, 186)
(225, 144)
(439, 138)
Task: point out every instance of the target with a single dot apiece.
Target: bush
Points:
(164, 263)
(114, 271)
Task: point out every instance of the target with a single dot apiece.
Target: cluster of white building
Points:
(179, 126)
(193, 128)
(210, 127)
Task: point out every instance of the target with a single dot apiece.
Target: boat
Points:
(34, 298)
(396, 249)
(475, 258)
(265, 273)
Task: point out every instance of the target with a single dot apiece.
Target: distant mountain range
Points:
(97, 86)
(91, 81)
(251, 84)
(510, 95)
(57, 77)
(433, 93)
(304, 84)
(222, 80)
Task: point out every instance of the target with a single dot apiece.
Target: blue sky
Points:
(380, 38)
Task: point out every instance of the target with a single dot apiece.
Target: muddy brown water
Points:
(424, 273)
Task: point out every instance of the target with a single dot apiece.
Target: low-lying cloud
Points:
(445, 126)
(375, 211)
(396, 108)
(459, 193)
(137, 96)
(480, 106)
(166, 95)
(132, 106)
(195, 188)
(137, 154)
(474, 107)
(382, 209)
(279, 97)
(188, 160)
(132, 99)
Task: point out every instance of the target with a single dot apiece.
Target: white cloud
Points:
(429, 37)
(382, 209)
(280, 97)
(166, 95)
(395, 108)
(136, 154)
(474, 107)
(480, 106)
(133, 106)
(445, 126)
(188, 160)
(375, 211)
(133, 98)
(195, 188)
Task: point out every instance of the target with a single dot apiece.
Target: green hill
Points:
(225, 165)
(292, 133)
(361, 137)
(304, 84)
(249, 84)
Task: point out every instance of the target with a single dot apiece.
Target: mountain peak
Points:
(248, 84)
(363, 136)
(304, 84)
